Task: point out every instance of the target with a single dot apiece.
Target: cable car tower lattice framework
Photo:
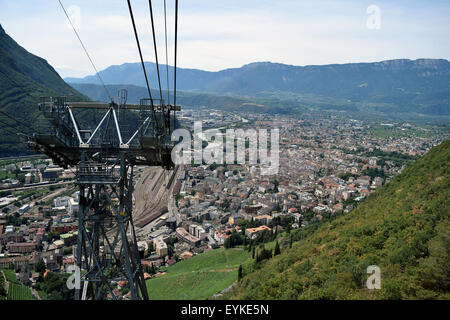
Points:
(104, 156)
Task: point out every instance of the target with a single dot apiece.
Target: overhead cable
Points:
(85, 50)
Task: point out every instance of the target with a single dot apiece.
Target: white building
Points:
(160, 247)
(74, 206)
(61, 202)
(197, 231)
(24, 208)
(27, 178)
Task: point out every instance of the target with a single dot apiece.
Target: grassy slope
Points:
(403, 228)
(199, 277)
(10, 276)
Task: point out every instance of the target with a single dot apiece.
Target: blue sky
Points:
(215, 34)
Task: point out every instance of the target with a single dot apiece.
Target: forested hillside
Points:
(24, 77)
(403, 228)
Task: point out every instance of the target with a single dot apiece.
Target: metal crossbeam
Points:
(63, 137)
(96, 105)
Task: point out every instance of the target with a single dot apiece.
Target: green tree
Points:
(54, 286)
(52, 236)
(240, 272)
(40, 266)
(277, 249)
(233, 240)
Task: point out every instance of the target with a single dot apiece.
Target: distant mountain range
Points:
(395, 86)
(24, 77)
(352, 81)
(192, 99)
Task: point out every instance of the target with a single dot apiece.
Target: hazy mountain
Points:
(24, 77)
(191, 99)
(131, 73)
(395, 86)
(352, 81)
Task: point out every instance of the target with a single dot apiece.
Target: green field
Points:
(16, 291)
(424, 131)
(199, 277)
(10, 276)
(386, 132)
(19, 292)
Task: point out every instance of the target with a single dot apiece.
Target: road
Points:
(38, 186)
(43, 156)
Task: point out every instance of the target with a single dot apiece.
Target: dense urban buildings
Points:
(327, 166)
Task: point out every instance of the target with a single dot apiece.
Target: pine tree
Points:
(240, 272)
(277, 249)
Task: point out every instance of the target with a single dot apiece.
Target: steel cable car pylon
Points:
(104, 157)
(107, 250)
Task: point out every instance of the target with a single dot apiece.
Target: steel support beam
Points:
(106, 233)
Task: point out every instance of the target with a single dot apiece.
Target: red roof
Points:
(122, 283)
(146, 263)
(171, 262)
(159, 274)
(147, 276)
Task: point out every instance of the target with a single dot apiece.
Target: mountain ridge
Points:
(24, 78)
(420, 86)
(434, 67)
(34, 67)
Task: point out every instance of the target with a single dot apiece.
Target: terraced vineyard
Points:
(16, 291)
(19, 292)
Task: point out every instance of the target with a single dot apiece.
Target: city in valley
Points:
(327, 167)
